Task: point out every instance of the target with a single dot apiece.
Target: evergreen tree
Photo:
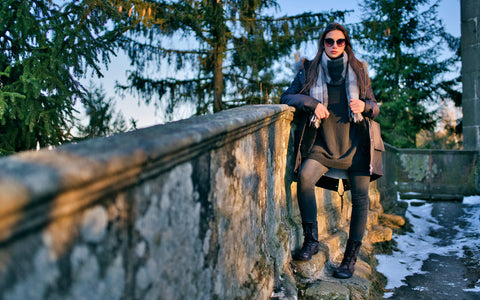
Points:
(404, 40)
(45, 49)
(227, 56)
(103, 120)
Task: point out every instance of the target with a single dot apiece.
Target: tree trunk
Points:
(218, 104)
(219, 38)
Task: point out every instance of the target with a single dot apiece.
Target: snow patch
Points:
(413, 248)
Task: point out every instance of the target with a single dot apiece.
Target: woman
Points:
(335, 103)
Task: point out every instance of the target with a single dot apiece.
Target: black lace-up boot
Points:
(347, 267)
(310, 241)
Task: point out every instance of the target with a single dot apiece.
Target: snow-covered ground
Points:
(415, 247)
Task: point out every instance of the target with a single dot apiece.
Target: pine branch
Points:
(160, 50)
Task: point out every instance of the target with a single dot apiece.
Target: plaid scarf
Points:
(319, 90)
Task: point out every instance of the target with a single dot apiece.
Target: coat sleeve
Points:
(371, 107)
(293, 97)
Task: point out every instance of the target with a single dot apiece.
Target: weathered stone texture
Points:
(470, 46)
(328, 291)
(77, 257)
(428, 174)
(204, 208)
(166, 222)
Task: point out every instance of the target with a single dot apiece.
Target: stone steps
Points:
(314, 278)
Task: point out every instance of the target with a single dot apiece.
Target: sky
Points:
(148, 115)
(449, 10)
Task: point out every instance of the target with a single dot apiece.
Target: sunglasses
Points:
(330, 42)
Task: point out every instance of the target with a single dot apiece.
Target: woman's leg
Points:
(310, 173)
(360, 205)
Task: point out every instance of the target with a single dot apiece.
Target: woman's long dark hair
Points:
(358, 67)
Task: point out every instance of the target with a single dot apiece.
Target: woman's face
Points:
(334, 43)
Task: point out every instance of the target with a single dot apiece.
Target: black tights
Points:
(310, 173)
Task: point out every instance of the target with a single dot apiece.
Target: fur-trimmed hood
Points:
(300, 64)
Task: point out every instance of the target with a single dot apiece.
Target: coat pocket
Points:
(376, 136)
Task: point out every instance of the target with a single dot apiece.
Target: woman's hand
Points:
(357, 106)
(321, 111)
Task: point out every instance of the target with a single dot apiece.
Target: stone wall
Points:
(203, 208)
(428, 174)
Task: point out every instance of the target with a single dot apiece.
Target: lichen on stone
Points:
(417, 167)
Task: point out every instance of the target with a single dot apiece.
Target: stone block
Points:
(335, 243)
(470, 59)
(312, 268)
(469, 38)
(323, 224)
(469, 9)
(372, 218)
(379, 234)
(471, 83)
(471, 137)
(375, 198)
(359, 287)
(392, 221)
(362, 269)
(471, 112)
(327, 290)
(285, 288)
